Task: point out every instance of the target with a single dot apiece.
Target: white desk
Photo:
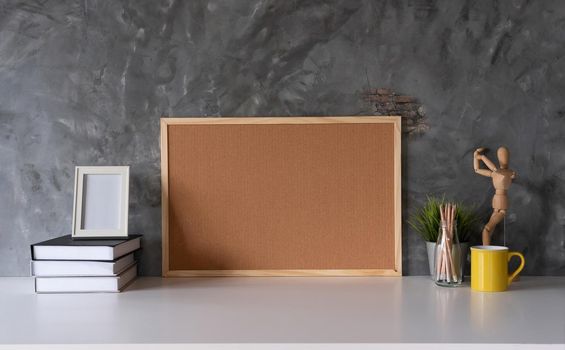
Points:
(286, 310)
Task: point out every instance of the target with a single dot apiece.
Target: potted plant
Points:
(426, 221)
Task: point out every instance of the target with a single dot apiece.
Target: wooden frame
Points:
(394, 120)
(120, 229)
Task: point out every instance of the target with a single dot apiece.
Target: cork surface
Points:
(301, 196)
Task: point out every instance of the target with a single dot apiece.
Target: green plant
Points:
(426, 220)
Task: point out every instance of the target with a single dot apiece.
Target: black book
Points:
(65, 248)
(59, 268)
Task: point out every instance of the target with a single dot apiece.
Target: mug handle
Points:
(517, 271)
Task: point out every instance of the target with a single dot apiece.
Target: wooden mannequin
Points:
(501, 180)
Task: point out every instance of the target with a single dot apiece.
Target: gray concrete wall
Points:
(85, 82)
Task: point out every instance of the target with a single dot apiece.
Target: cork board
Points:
(281, 196)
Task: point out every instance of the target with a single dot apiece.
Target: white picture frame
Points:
(101, 202)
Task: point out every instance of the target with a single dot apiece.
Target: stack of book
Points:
(64, 265)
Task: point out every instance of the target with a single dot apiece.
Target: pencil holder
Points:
(448, 265)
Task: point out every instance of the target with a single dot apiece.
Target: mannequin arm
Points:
(477, 157)
(487, 162)
(483, 172)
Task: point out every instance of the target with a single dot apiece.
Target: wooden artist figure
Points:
(501, 179)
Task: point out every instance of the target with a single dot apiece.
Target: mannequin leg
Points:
(495, 218)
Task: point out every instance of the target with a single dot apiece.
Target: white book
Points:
(85, 284)
(67, 248)
(42, 268)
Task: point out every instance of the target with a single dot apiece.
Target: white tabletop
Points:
(286, 310)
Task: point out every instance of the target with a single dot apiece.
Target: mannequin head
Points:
(503, 157)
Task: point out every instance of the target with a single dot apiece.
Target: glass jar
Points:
(448, 265)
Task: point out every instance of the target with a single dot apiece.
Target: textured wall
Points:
(85, 83)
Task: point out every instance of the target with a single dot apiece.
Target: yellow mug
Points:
(489, 268)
